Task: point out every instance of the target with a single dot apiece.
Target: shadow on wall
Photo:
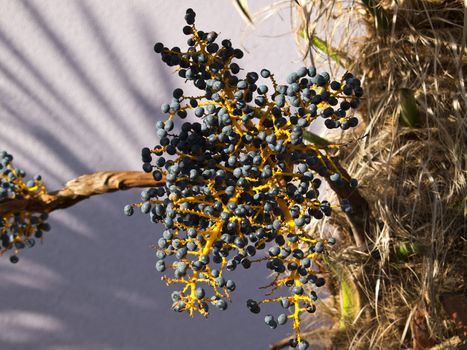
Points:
(30, 319)
(72, 122)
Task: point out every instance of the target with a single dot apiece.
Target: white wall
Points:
(80, 91)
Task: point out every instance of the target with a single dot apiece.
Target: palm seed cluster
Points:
(17, 230)
(240, 182)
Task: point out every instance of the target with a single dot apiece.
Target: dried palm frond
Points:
(411, 56)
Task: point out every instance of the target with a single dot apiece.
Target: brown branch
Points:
(101, 182)
(80, 188)
(359, 218)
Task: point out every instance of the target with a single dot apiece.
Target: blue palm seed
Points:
(302, 168)
(297, 290)
(128, 210)
(298, 253)
(299, 222)
(160, 162)
(294, 101)
(242, 85)
(345, 105)
(200, 293)
(353, 122)
(199, 112)
(190, 18)
(246, 263)
(146, 208)
(176, 243)
(239, 95)
(221, 304)
(285, 303)
(252, 77)
(292, 266)
(30, 183)
(212, 48)
(220, 281)
(231, 264)
(276, 224)
(326, 76)
(347, 90)
(302, 71)
(320, 282)
(204, 259)
(250, 250)
(290, 91)
(169, 125)
(285, 252)
(282, 319)
(177, 93)
(274, 251)
(162, 243)
(164, 141)
(165, 108)
(29, 243)
(238, 53)
(174, 106)
(295, 88)
(335, 85)
(160, 266)
(189, 74)
(265, 73)
(234, 68)
(311, 71)
(316, 99)
(333, 101)
(292, 78)
(330, 124)
(313, 295)
(262, 89)
(167, 234)
(328, 112)
(253, 306)
(158, 47)
(161, 133)
(279, 100)
(303, 345)
(269, 320)
(292, 238)
(260, 101)
(331, 241)
(305, 263)
(302, 122)
(306, 92)
(181, 252)
(216, 97)
(230, 285)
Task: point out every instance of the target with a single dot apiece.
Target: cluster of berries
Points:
(17, 230)
(239, 178)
